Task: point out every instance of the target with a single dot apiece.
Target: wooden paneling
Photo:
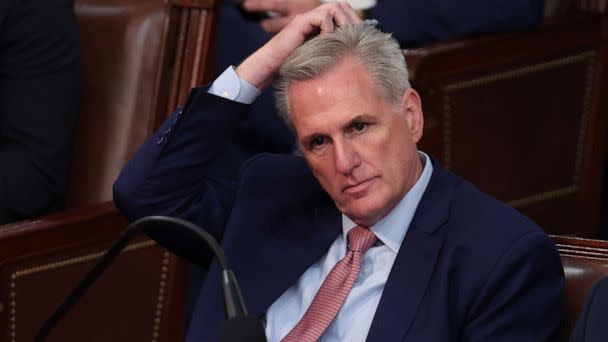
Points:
(140, 297)
(522, 116)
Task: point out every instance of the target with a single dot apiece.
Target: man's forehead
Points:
(344, 80)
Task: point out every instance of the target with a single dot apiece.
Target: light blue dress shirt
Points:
(230, 86)
(354, 319)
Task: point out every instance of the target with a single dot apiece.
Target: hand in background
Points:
(261, 67)
(283, 11)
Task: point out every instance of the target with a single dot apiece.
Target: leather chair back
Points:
(141, 58)
(521, 115)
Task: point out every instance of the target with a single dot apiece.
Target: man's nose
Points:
(346, 157)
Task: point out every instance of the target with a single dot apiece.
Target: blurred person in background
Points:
(40, 89)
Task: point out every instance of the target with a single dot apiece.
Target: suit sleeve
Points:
(523, 298)
(416, 22)
(40, 88)
(187, 168)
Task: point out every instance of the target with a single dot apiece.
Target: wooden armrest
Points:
(140, 297)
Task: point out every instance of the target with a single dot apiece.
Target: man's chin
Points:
(365, 216)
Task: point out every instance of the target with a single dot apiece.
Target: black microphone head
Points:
(243, 329)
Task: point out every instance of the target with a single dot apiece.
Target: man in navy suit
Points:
(449, 262)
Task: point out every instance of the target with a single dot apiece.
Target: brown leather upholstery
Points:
(521, 116)
(139, 298)
(585, 262)
(141, 58)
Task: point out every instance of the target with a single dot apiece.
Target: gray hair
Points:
(379, 53)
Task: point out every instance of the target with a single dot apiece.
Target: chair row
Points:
(142, 295)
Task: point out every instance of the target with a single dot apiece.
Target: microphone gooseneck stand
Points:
(238, 326)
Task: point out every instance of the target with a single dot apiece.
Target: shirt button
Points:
(225, 94)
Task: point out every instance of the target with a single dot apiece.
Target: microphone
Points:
(238, 326)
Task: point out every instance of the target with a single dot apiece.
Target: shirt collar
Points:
(392, 228)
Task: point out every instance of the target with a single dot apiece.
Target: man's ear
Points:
(412, 110)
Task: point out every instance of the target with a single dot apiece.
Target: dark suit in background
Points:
(469, 267)
(592, 324)
(419, 22)
(412, 22)
(40, 88)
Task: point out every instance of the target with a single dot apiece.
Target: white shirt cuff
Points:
(358, 4)
(228, 85)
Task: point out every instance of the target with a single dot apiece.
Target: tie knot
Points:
(360, 239)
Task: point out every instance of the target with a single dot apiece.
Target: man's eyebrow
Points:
(359, 118)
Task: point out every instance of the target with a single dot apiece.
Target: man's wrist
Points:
(258, 69)
(230, 86)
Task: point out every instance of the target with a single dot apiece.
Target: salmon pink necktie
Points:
(334, 290)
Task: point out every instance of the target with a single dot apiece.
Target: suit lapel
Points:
(415, 262)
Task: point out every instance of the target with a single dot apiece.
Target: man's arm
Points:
(187, 168)
(523, 297)
(180, 167)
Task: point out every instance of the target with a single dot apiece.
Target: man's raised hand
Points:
(261, 67)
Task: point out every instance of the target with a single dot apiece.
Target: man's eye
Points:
(359, 126)
(317, 141)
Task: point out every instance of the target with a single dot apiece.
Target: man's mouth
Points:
(358, 187)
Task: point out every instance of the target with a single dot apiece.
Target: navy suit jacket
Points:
(469, 267)
(591, 325)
